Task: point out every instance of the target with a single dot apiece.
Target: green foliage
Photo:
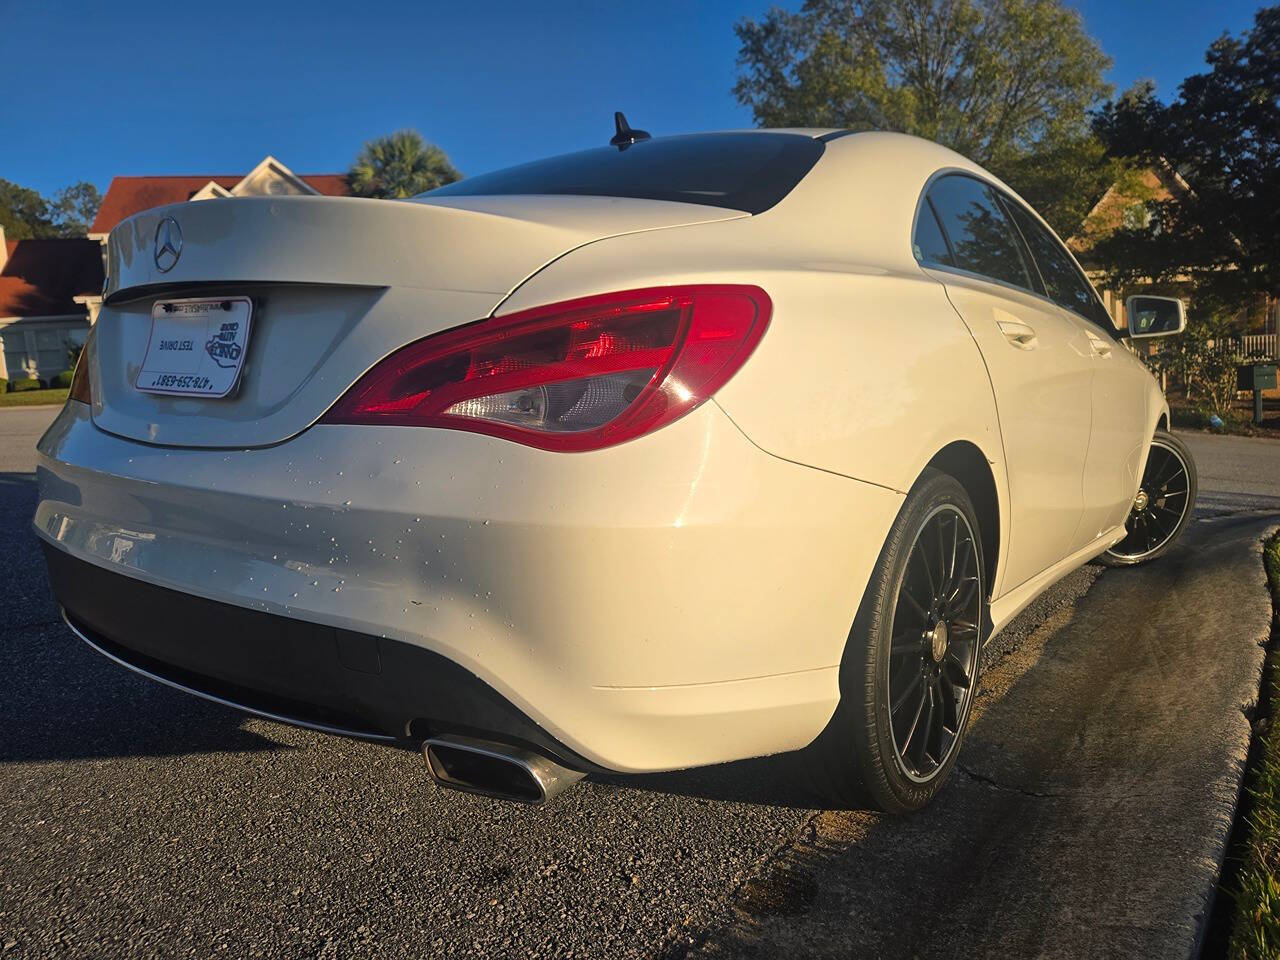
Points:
(1062, 180)
(1006, 82)
(4, 386)
(1203, 359)
(27, 383)
(25, 214)
(1255, 929)
(400, 165)
(1222, 135)
(33, 398)
(63, 380)
(74, 208)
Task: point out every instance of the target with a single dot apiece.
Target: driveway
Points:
(1096, 791)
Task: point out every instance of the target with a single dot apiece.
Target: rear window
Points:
(738, 171)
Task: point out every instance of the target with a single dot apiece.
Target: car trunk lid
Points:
(336, 284)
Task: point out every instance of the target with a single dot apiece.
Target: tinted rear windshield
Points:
(740, 171)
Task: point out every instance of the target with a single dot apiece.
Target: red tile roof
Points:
(40, 277)
(129, 195)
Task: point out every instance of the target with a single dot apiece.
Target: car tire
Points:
(868, 754)
(1158, 516)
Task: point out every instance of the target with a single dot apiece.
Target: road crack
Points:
(992, 782)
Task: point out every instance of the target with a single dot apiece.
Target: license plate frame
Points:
(197, 347)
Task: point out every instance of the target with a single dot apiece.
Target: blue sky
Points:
(97, 89)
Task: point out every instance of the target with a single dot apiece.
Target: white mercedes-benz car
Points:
(667, 453)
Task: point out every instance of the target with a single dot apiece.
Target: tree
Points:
(24, 213)
(1062, 180)
(1008, 83)
(400, 165)
(74, 207)
(1222, 136)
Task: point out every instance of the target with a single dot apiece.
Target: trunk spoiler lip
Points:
(213, 288)
(360, 242)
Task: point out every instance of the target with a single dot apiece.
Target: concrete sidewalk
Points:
(1096, 793)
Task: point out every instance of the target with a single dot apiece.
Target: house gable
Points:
(211, 190)
(271, 178)
(1124, 205)
(129, 195)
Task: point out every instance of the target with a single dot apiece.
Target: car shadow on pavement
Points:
(769, 781)
(63, 701)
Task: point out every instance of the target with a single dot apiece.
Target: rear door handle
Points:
(1021, 335)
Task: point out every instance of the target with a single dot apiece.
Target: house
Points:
(51, 290)
(1126, 203)
(270, 178)
(44, 286)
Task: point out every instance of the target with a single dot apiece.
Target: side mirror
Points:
(1155, 316)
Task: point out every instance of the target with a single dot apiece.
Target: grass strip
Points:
(1255, 930)
(31, 398)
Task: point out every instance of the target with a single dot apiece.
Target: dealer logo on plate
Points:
(222, 346)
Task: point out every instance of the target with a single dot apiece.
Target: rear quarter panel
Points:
(865, 371)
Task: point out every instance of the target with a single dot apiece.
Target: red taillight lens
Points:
(579, 375)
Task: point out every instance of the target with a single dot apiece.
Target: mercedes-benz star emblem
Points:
(168, 244)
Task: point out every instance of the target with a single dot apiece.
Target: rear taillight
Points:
(578, 375)
(80, 388)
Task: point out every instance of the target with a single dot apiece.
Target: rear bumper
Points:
(303, 673)
(679, 600)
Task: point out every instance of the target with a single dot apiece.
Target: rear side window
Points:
(1063, 282)
(739, 171)
(929, 245)
(981, 236)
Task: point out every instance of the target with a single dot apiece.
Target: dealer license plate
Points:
(197, 347)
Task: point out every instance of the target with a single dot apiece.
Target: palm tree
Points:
(401, 165)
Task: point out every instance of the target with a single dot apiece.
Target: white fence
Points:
(1259, 345)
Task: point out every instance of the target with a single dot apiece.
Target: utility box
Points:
(1256, 376)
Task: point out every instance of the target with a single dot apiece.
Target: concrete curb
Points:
(1093, 806)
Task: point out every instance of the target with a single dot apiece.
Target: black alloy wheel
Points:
(933, 660)
(1162, 505)
(910, 665)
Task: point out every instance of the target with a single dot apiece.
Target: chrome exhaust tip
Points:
(496, 770)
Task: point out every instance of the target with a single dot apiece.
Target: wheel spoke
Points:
(928, 572)
(928, 729)
(955, 548)
(915, 720)
(1167, 477)
(902, 697)
(907, 643)
(935, 728)
(942, 556)
(955, 671)
(924, 614)
(971, 592)
(959, 576)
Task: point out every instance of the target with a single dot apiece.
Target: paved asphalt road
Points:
(136, 821)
